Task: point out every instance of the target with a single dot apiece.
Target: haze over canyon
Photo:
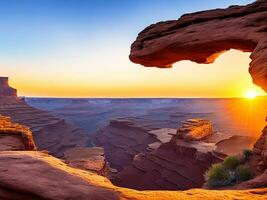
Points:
(145, 148)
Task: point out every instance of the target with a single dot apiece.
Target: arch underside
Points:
(201, 37)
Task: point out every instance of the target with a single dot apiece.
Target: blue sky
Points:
(72, 40)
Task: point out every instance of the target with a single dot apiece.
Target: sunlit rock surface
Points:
(15, 136)
(38, 176)
(195, 129)
(202, 36)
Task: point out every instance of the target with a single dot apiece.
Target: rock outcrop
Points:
(122, 140)
(5, 89)
(195, 129)
(237, 27)
(259, 160)
(15, 136)
(89, 159)
(38, 176)
(175, 165)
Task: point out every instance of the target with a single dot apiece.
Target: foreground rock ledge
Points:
(238, 27)
(26, 180)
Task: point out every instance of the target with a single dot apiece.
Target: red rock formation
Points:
(5, 89)
(259, 160)
(195, 129)
(22, 177)
(202, 36)
(38, 176)
(15, 136)
(122, 140)
(175, 165)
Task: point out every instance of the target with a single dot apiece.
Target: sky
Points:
(80, 48)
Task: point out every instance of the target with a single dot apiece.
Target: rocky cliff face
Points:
(15, 136)
(176, 163)
(259, 161)
(49, 132)
(237, 27)
(5, 89)
(89, 159)
(122, 140)
(22, 177)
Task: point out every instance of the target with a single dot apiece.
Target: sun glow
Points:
(251, 94)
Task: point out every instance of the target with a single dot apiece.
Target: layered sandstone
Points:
(89, 159)
(49, 132)
(122, 140)
(175, 163)
(15, 136)
(22, 177)
(237, 27)
(195, 129)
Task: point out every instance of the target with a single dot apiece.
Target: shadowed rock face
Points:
(49, 132)
(5, 89)
(202, 36)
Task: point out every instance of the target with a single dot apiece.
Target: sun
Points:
(251, 94)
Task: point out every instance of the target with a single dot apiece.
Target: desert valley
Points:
(146, 148)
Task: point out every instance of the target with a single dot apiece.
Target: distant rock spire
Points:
(5, 89)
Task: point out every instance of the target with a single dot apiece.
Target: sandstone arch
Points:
(202, 36)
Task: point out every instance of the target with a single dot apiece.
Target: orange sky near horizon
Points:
(227, 77)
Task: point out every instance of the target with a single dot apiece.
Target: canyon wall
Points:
(50, 133)
(22, 177)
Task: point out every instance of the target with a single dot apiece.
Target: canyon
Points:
(19, 168)
(43, 156)
(50, 133)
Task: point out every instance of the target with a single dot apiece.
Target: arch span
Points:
(202, 36)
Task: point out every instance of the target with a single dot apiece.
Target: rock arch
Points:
(202, 36)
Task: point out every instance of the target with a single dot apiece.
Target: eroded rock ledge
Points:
(14, 136)
(22, 177)
(202, 36)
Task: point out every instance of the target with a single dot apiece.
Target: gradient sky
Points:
(80, 48)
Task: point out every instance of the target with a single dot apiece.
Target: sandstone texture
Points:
(202, 36)
(33, 175)
(122, 140)
(175, 165)
(38, 176)
(15, 136)
(195, 129)
(165, 158)
(259, 161)
(89, 159)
